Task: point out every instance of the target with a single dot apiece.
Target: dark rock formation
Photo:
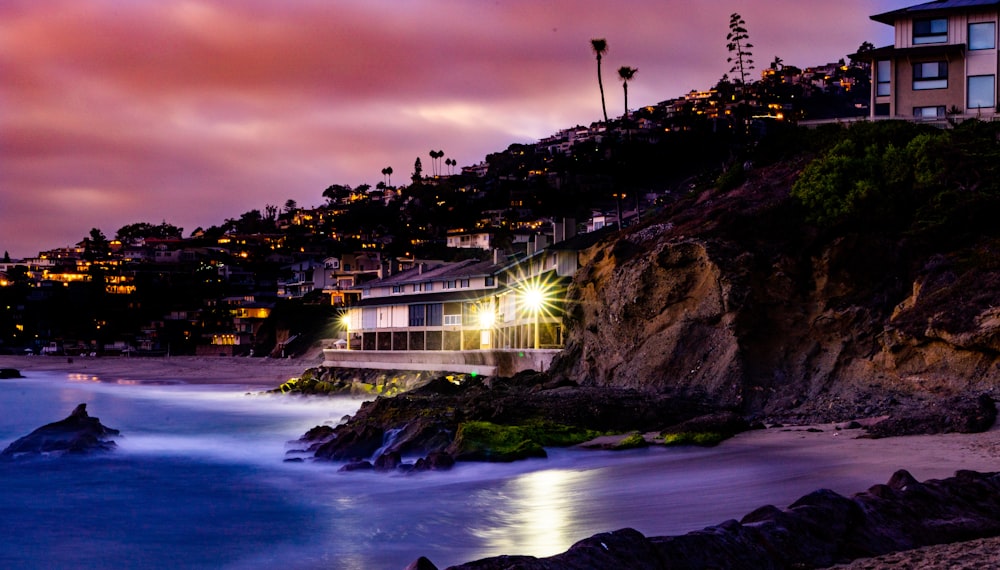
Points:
(731, 296)
(950, 415)
(6, 373)
(78, 433)
(428, 419)
(435, 461)
(819, 530)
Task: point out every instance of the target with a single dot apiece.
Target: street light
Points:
(534, 300)
(345, 321)
(487, 318)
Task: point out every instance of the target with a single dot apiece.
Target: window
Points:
(453, 319)
(930, 75)
(434, 312)
(397, 288)
(429, 286)
(928, 112)
(883, 77)
(982, 36)
(491, 281)
(449, 284)
(981, 91)
(464, 283)
(417, 315)
(930, 31)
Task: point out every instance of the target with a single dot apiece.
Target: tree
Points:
(418, 171)
(626, 73)
(6, 256)
(600, 47)
(291, 205)
(387, 172)
(739, 47)
(96, 246)
(336, 192)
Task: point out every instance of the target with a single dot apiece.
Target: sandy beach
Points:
(185, 369)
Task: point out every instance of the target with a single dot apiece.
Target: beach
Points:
(925, 456)
(184, 369)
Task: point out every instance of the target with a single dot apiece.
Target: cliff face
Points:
(730, 295)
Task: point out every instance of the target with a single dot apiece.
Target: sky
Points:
(194, 111)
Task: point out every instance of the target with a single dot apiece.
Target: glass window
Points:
(982, 35)
(930, 31)
(883, 76)
(930, 75)
(928, 112)
(434, 312)
(417, 314)
(981, 91)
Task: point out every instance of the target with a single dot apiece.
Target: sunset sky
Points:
(194, 111)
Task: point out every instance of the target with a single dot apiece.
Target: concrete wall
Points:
(485, 362)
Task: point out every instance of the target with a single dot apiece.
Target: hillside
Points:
(749, 297)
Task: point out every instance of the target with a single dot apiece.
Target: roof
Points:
(438, 272)
(439, 297)
(924, 50)
(932, 8)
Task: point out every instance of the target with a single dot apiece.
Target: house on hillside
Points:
(943, 62)
(471, 304)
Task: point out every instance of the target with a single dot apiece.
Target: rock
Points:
(952, 415)
(435, 461)
(726, 424)
(6, 373)
(388, 461)
(357, 466)
(78, 433)
(421, 563)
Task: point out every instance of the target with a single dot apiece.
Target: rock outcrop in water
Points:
(819, 530)
(78, 434)
(6, 373)
(503, 420)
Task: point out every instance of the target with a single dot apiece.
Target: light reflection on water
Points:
(534, 512)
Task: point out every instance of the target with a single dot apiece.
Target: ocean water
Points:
(198, 481)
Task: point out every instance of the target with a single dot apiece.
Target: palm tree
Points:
(600, 47)
(388, 175)
(626, 73)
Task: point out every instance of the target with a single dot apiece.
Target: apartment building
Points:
(943, 62)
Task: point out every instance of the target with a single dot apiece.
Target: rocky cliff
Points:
(732, 295)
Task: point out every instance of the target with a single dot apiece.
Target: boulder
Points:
(6, 373)
(435, 461)
(388, 461)
(78, 434)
